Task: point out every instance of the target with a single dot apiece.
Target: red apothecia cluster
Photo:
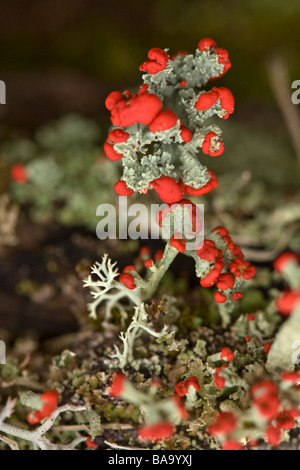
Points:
(147, 109)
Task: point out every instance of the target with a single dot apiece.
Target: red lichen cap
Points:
(149, 263)
(285, 419)
(156, 432)
(90, 443)
(128, 280)
(241, 268)
(113, 98)
(287, 301)
(211, 146)
(227, 100)
(122, 189)
(164, 120)
(267, 347)
(225, 423)
(178, 243)
(138, 109)
(168, 190)
(209, 186)
(293, 377)
(208, 251)
(231, 444)
(18, 173)
(207, 100)
(110, 151)
(117, 385)
(159, 255)
(118, 136)
(220, 298)
(182, 387)
(206, 43)
(185, 133)
(158, 61)
(284, 259)
(227, 354)
(50, 402)
(273, 435)
(237, 295)
(219, 381)
(225, 281)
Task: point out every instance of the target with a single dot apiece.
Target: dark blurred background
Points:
(59, 56)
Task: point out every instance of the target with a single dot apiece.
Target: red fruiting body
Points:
(159, 255)
(158, 61)
(223, 59)
(273, 435)
(206, 44)
(284, 259)
(208, 251)
(182, 411)
(222, 231)
(168, 190)
(110, 152)
(50, 402)
(185, 133)
(117, 385)
(113, 98)
(129, 268)
(232, 445)
(18, 173)
(265, 399)
(220, 298)
(178, 243)
(267, 347)
(287, 301)
(225, 422)
(138, 109)
(122, 189)
(209, 186)
(247, 339)
(285, 420)
(144, 250)
(210, 279)
(182, 387)
(143, 89)
(156, 432)
(293, 377)
(227, 354)
(220, 381)
(225, 281)
(182, 83)
(227, 100)
(250, 316)
(207, 100)
(118, 136)
(164, 120)
(209, 148)
(149, 263)
(241, 268)
(91, 444)
(237, 295)
(128, 280)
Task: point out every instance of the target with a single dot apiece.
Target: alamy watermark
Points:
(296, 94)
(140, 221)
(296, 353)
(2, 352)
(2, 92)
